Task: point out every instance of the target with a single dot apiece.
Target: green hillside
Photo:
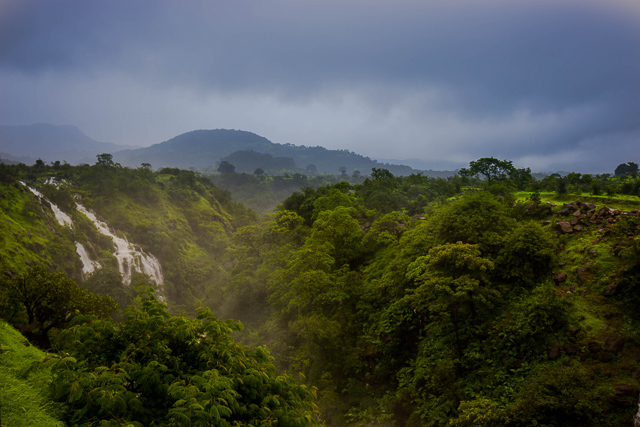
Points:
(182, 219)
(24, 395)
(489, 298)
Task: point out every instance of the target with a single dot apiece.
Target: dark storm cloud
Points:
(520, 78)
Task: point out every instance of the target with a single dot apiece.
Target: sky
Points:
(553, 85)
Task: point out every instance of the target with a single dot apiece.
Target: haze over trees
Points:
(382, 300)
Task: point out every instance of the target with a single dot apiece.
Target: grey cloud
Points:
(502, 78)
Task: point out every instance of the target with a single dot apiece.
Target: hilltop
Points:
(203, 149)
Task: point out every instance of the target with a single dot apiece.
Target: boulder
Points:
(553, 350)
(581, 274)
(589, 206)
(574, 331)
(571, 349)
(564, 227)
(594, 347)
(560, 277)
(614, 343)
(624, 395)
(610, 290)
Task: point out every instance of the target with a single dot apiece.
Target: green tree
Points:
(629, 168)
(451, 278)
(157, 369)
(105, 159)
(527, 256)
(491, 169)
(226, 168)
(51, 299)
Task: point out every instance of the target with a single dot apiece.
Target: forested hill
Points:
(205, 148)
(397, 301)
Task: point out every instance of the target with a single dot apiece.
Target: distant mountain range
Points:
(202, 149)
(199, 149)
(50, 143)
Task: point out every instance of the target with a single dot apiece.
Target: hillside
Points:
(409, 301)
(25, 398)
(203, 149)
(51, 143)
(183, 221)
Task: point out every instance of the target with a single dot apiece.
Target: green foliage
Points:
(451, 278)
(165, 370)
(531, 323)
(478, 218)
(49, 300)
(491, 169)
(480, 412)
(24, 397)
(527, 256)
(629, 168)
(559, 395)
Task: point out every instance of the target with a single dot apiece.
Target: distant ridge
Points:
(50, 143)
(203, 149)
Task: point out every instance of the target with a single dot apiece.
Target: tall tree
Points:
(629, 168)
(490, 168)
(49, 300)
(226, 168)
(452, 277)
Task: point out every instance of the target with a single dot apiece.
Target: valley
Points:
(383, 301)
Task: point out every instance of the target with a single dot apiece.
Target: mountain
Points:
(202, 149)
(51, 143)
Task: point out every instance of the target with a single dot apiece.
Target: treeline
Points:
(147, 367)
(407, 307)
(410, 301)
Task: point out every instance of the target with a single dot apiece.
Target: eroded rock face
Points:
(624, 395)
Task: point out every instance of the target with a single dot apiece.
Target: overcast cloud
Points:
(553, 85)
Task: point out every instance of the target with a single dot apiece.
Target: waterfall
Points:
(62, 218)
(88, 265)
(65, 220)
(130, 257)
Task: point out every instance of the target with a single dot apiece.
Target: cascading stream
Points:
(62, 218)
(130, 257)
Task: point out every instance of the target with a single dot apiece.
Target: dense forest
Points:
(489, 298)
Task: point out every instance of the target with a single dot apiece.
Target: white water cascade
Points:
(62, 218)
(130, 258)
(636, 419)
(88, 265)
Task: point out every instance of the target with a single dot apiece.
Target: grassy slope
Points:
(30, 234)
(602, 318)
(187, 230)
(23, 398)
